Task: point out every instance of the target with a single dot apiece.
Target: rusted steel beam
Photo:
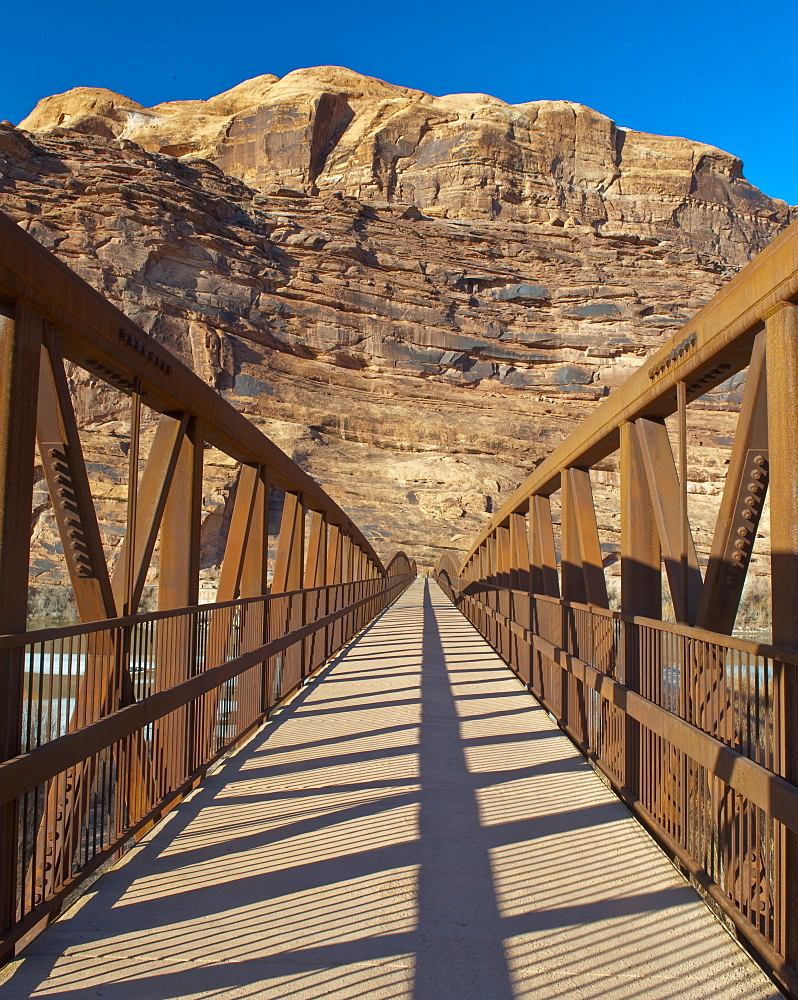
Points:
(20, 340)
(503, 555)
(316, 577)
(68, 484)
(708, 349)
(684, 521)
(587, 536)
(664, 489)
(519, 553)
(127, 585)
(254, 579)
(782, 393)
(178, 570)
(178, 587)
(254, 685)
(641, 585)
(641, 555)
(544, 555)
(288, 576)
(573, 577)
(741, 506)
(334, 555)
(221, 621)
(346, 559)
(238, 534)
(288, 564)
(351, 547)
(152, 495)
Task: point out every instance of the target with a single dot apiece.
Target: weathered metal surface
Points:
(178, 571)
(130, 572)
(20, 339)
(699, 732)
(782, 392)
(102, 702)
(181, 747)
(665, 490)
(715, 794)
(741, 505)
(68, 485)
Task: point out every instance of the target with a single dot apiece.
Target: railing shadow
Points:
(356, 873)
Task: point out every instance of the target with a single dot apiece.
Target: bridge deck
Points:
(396, 833)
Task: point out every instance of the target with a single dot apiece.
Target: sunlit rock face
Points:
(462, 156)
(416, 296)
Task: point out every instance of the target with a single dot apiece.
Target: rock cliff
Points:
(416, 296)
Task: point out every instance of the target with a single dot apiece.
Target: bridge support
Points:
(20, 340)
(178, 573)
(782, 387)
(641, 582)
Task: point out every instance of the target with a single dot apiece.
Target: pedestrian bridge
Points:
(328, 781)
(410, 824)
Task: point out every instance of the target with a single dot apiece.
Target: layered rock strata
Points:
(417, 297)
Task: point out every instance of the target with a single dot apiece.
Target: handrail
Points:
(732, 642)
(697, 731)
(236, 664)
(699, 757)
(104, 726)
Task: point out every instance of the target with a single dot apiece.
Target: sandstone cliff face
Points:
(417, 297)
(463, 156)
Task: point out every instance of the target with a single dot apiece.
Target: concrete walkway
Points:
(396, 832)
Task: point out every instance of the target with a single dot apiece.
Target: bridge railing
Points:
(105, 725)
(697, 731)
(122, 718)
(688, 727)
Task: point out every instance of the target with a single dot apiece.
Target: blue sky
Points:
(726, 74)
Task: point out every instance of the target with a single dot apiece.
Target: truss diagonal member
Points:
(333, 555)
(544, 552)
(152, 496)
(178, 569)
(285, 613)
(782, 380)
(288, 564)
(664, 489)
(315, 578)
(68, 484)
(252, 697)
(741, 506)
(519, 553)
(106, 681)
(580, 534)
(222, 620)
(334, 579)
